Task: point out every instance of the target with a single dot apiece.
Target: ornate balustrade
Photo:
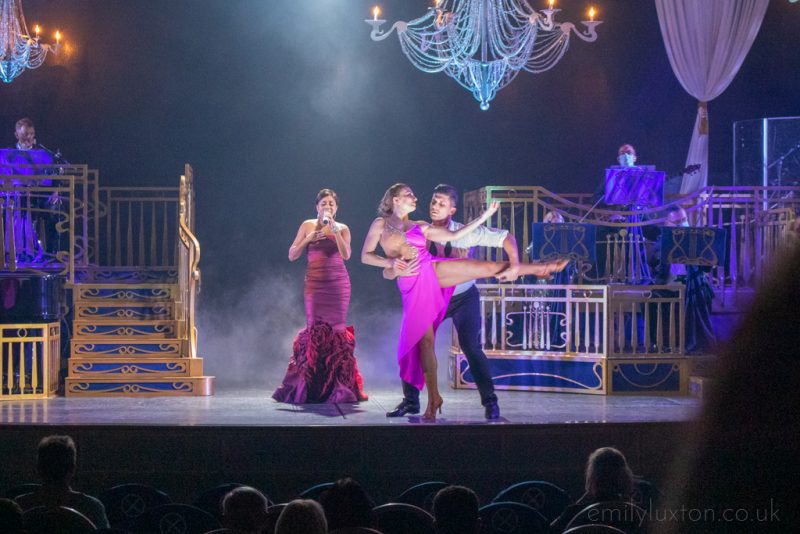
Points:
(138, 227)
(188, 260)
(45, 219)
(581, 338)
(29, 360)
(757, 220)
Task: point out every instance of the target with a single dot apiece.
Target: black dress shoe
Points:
(492, 410)
(404, 408)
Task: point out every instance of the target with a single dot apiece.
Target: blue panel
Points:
(133, 387)
(563, 240)
(646, 377)
(95, 367)
(571, 374)
(693, 246)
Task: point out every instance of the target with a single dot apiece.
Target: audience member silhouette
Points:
(302, 516)
(10, 516)
(608, 478)
(244, 510)
(57, 459)
(346, 504)
(736, 472)
(456, 511)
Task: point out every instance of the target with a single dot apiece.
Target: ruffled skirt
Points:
(323, 368)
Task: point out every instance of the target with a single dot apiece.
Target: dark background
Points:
(272, 100)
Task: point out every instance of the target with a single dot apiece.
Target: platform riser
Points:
(125, 292)
(89, 387)
(143, 349)
(123, 275)
(569, 374)
(128, 330)
(117, 311)
(131, 368)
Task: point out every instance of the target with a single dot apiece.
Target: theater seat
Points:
(50, 519)
(622, 515)
(512, 518)
(174, 519)
(401, 518)
(125, 502)
(422, 495)
(544, 497)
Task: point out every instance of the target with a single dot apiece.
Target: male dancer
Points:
(464, 306)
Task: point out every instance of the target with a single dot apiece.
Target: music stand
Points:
(701, 246)
(575, 241)
(23, 162)
(638, 187)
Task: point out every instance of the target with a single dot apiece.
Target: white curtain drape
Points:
(706, 42)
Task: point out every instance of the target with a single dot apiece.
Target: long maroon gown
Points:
(323, 366)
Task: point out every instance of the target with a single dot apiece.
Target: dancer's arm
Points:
(510, 273)
(368, 254)
(494, 237)
(341, 233)
(305, 235)
(439, 234)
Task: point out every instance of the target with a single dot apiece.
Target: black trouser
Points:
(465, 311)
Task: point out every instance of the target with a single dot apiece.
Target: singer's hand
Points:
(318, 235)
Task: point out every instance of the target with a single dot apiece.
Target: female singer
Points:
(323, 367)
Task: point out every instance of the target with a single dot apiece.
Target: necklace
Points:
(393, 229)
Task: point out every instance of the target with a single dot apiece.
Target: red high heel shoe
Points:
(433, 406)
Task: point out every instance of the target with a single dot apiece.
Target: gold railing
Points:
(528, 318)
(30, 359)
(757, 220)
(581, 320)
(646, 320)
(44, 220)
(138, 227)
(188, 260)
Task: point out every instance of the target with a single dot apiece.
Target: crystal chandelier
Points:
(20, 50)
(484, 44)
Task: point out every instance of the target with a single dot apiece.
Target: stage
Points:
(185, 444)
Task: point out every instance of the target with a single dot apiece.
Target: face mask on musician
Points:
(626, 160)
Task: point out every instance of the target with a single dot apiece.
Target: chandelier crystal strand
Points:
(484, 44)
(20, 50)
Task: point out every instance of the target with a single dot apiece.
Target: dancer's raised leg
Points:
(451, 273)
(427, 356)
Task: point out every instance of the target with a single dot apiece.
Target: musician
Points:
(626, 156)
(25, 133)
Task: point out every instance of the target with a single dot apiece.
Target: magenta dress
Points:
(424, 304)
(323, 365)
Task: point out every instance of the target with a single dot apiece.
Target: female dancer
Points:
(323, 367)
(427, 291)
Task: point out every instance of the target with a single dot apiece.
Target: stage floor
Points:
(254, 408)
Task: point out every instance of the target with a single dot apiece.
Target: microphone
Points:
(326, 218)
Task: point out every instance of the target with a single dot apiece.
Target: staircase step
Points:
(139, 387)
(113, 292)
(126, 275)
(153, 348)
(123, 310)
(130, 330)
(134, 367)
